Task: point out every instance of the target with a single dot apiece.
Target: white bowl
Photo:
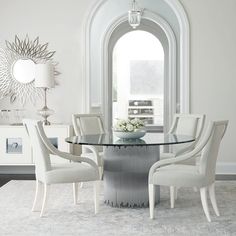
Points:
(130, 135)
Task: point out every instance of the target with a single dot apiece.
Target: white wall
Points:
(58, 22)
(213, 54)
(213, 65)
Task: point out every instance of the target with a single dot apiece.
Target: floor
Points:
(63, 218)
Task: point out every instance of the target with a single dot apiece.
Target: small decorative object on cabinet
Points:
(15, 148)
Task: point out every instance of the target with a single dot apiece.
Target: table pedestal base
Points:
(126, 175)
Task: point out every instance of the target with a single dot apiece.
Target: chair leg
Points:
(75, 192)
(176, 193)
(151, 193)
(45, 195)
(81, 185)
(100, 169)
(203, 193)
(172, 196)
(37, 193)
(213, 199)
(96, 195)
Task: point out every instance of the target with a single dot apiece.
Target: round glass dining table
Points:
(127, 163)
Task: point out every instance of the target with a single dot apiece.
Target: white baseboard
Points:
(226, 168)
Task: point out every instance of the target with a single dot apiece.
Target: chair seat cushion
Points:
(71, 172)
(178, 176)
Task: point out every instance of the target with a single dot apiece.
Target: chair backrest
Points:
(211, 143)
(41, 154)
(85, 124)
(187, 124)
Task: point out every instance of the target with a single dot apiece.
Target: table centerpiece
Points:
(129, 128)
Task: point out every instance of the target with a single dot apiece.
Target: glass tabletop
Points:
(109, 139)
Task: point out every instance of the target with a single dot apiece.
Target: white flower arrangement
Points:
(128, 125)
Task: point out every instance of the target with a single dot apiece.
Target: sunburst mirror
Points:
(17, 68)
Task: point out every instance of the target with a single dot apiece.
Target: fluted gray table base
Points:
(126, 175)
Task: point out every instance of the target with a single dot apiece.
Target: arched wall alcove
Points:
(107, 22)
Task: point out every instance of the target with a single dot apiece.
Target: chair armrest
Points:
(96, 153)
(187, 149)
(64, 155)
(51, 148)
(192, 154)
(168, 161)
(75, 158)
(184, 150)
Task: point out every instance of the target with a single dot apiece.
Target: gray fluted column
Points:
(126, 175)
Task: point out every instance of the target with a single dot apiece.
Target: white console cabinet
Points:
(15, 148)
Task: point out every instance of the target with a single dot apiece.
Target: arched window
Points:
(138, 78)
(148, 48)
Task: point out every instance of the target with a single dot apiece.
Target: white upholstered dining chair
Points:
(170, 172)
(86, 124)
(185, 124)
(80, 169)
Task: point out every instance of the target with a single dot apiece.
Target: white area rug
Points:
(62, 217)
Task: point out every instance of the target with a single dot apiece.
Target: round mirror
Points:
(23, 70)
